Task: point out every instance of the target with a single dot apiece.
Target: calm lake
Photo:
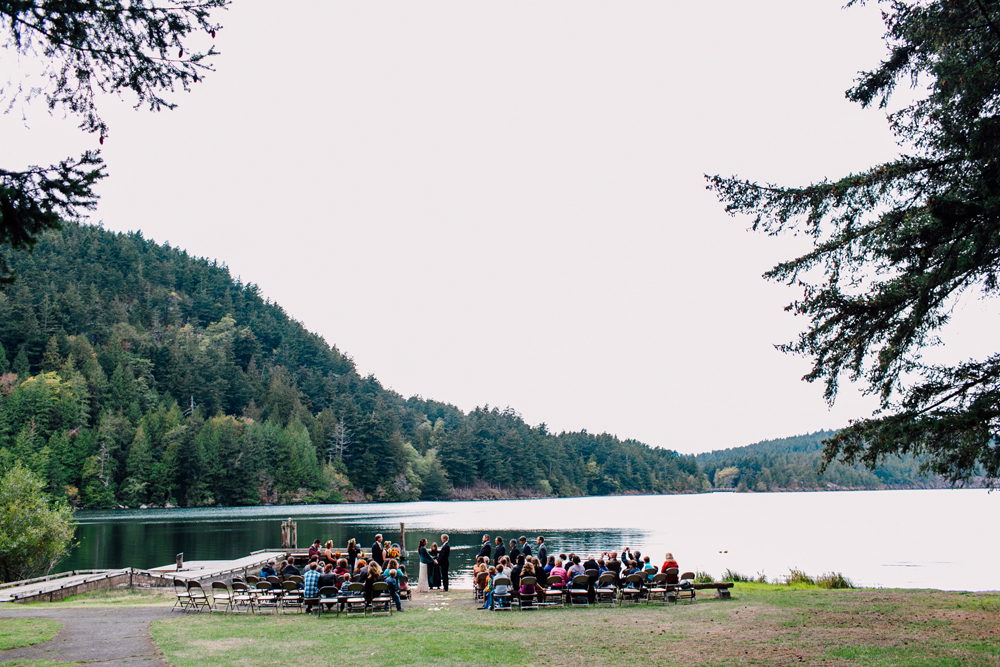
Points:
(944, 539)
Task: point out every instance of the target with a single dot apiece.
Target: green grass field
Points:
(18, 632)
(761, 625)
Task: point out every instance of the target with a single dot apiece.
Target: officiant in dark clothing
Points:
(377, 555)
(443, 556)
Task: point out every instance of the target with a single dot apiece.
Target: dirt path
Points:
(96, 636)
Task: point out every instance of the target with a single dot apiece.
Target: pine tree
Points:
(21, 366)
(895, 245)
(4, 362)
(52, 360)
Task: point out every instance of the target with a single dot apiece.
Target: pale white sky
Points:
(502, 202)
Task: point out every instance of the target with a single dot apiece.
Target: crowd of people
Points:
(553, 573)
(495, 563)
(329, 568)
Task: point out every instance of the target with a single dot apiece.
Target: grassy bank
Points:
(762, 625)
(18, 632)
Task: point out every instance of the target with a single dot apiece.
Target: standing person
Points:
(377, 554)
(486, 550)
(435, 569)
(499, 552)
(543, 554)
(443, 563)
(314, 549)
(426, 562)
(514, 551)
(352, 554)
(525, 547)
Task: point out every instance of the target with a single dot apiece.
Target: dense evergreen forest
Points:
(793, 464)
(133, 374)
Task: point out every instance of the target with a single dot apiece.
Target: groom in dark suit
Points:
(377, 551)
(443, 555)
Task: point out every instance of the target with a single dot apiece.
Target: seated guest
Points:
(392, 579)
(602, 567)
(289, 570)
(528, 570)
(403, 579)
(341, 569)
(310, 584)
(373, 573)
(505, 568)
(648, 568)
(268, 570)
(574, 569)
(491, 573)
(482, 573)
(327, 578)
(591, 564)
(633, 568)
(549, 565)
(558, 571)
(669, 563)
(515, 572)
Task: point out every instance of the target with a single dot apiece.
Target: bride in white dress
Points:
(423, 582)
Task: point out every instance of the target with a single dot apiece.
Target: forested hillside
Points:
(133, 374)
(789, 464)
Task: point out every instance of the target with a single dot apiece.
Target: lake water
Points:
(944, 539)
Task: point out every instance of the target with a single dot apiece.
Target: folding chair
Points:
(266, 597)
(291, 596)
(606, 589)
(199, 599)
(502, 602)
(554, 593)
(252, 580)
(527, 602)
(657, 592)
(632, 592)
(242, 597)
(221, 595)
(578, 592)
(183, 597)
(685, 589)
(356, 599)
(327, 596)
(381, 602)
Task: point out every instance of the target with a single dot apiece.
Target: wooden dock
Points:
(60, 586)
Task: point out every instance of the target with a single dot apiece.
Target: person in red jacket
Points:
(667, 564)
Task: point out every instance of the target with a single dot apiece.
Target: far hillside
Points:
(793, 464)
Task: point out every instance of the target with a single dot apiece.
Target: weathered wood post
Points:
(402, 537)
(289, 538)
(180, 561)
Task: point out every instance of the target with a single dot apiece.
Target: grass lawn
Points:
(18, 632)
(761, 625)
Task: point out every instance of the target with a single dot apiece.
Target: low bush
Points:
(799, 577)
(703, 578)
(834, 580)
(730, 575)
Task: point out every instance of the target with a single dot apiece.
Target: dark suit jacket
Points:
(443, 555)
(499, 553)
(543, 554)
(526, 550)
(486, 550)
(377, 553)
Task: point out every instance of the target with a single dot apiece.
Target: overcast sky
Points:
(503, 202)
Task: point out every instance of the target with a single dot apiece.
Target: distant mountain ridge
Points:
(133, 374)
(794, 463)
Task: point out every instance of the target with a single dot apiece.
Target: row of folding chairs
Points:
(583, 590)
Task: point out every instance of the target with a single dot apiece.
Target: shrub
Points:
(703, 577)
(34, 533)
(798, 577)
(834, 580)
(730, 575)
(761, 578)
